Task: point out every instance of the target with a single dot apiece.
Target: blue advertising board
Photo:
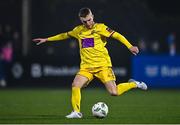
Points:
(157, 71)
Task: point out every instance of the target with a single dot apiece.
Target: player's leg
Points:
(119, 89)
(123, 87)
(111, 88)
(80, 80)
(78, 83)
(106, 75)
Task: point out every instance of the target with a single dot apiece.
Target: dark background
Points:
(149, 20)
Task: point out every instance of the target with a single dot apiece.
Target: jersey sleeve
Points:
(74, 32)
(60, 36)
(105, 30)
(122, 39)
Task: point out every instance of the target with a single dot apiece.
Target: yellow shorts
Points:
(105, 74)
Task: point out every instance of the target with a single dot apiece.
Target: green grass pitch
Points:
(49, 106)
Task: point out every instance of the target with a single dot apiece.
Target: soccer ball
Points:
(100, 110)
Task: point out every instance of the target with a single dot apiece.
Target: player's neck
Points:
(90, 27)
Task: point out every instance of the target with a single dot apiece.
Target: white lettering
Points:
(36, 70)
(120, 71)
(167, 71)
(17, 70)
(152, 71)
(59, 71)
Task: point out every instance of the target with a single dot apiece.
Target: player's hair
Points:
(83, 12)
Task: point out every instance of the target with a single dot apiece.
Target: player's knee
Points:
(114, 93)
(76, 84)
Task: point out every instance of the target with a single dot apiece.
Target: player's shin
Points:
(76, 98)
(123, 87)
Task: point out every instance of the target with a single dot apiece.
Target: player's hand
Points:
(40, 40)
(134, 50)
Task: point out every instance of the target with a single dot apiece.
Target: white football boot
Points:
(140, 85)
(74, 114)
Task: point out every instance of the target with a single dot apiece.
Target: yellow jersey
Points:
(92, 44)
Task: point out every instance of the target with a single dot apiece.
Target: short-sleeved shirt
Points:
(92, 44)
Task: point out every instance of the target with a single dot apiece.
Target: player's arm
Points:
(121, 38)
(60, 36)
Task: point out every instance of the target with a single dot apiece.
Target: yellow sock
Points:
(76, 98)
(123, 87)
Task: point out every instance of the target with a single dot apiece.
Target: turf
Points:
(49, 106)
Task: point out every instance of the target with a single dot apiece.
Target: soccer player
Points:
(95, 60)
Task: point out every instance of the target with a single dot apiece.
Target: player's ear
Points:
(92, 16)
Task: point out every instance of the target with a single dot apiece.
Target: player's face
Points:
(88, 21)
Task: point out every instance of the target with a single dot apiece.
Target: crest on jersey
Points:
(87, 42)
